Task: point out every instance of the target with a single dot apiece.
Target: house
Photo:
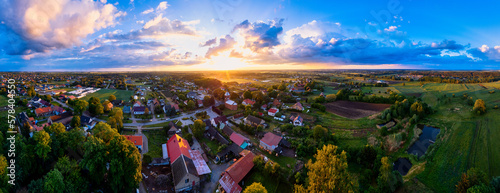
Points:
(191, 95)
(200, 103)
(44, 111)
(216, 110)
(184, 174)
(253, 121)
(140, 110)
(233, 175)
(173, 128)
(272, 111)
(248, 102)
(126, 109)
(136, 140)
(187, 165)
(87, 122)
(297, 106)
(321, 94)
(231, 105)
(227, 95)
(213, 134)
(117, 102)
(71, 97)
(240, 140)
(45, 103)
(137, 104)
(297, 120)
(219, 120)
(231, 150)
(64, 118)
(227, 130)
(270, 141)
(263, 107)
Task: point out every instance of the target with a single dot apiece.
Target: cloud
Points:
(158, 27)
(40, 26)
(148, 11)
(225, 43)
(486, 53)
(391, 29)
(260, 35)
(209, 42)
(162, 6)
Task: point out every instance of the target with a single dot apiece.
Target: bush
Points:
(147, 159)
(383, 131)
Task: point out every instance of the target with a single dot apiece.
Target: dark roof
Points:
(182, 167)
(233, 148)
(220, 119)
(140, 108)
(84, 120)
(45, 103)
(35, 98)
(117, 102)
(214, 133)
(285, 143)
(254, 119)
(227, 130)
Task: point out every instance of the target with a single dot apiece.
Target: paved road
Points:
(184, 115)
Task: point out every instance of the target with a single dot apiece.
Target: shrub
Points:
(147, 159)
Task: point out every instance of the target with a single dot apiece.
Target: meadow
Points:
(104, 94)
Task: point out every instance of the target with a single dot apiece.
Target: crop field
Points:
(104, 94)
(354, 110)
(383, 90)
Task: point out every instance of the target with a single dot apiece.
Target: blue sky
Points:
(141, 35)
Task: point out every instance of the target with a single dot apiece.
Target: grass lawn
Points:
(213, 145)
(227, 111)
(157, 125)
(383, 91)
(282, 160)
(3, 100)
(55, 103)
(155, 139)
(104, 94)
(128, 132)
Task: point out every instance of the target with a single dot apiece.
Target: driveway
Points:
(217, 170)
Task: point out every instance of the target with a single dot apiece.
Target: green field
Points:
(268, 181)
(104, 94)
(330, 120)
(3, 101)
(466, 140)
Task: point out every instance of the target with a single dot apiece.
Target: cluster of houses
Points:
(81, 92)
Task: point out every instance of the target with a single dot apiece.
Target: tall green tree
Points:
(54, 182)
(95, 159)
(42, 147)
(198, 128)
(75, 121)
(80, 106)
(112, 97)
(125, 165)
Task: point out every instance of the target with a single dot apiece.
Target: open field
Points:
(104, 94)
(354, 110)
(269, 182)
(155, 139)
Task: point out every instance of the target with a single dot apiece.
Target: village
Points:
(203, 135)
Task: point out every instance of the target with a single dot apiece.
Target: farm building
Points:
(233, 175)
(231, 105)
(253, 121)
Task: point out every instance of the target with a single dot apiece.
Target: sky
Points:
(188, 35)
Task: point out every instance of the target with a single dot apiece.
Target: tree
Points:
(190, 105)
(94, 100)
(95, 159)
(329, 172)
(255, 187)
(3, 174)
(247, 95)
(495, 183)
(42, 147)
(258, 161)
(70, 170)
(55, 129)
(105, 105)
(146, 111)
(124, 164)
(147, 158)
(481, 188)
(234, 96)
(53, 181)
(319, 132)
(80, 106)
(479, 107)
(75, 121)
(331, 97)
(198, 128)
(104, 131)
(472, 178)
(112, 97)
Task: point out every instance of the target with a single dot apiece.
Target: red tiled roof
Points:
(271, 139)
(176, 146)
(229, 185)
(240, 168)
(248, 101)
(43, 110)
(136, 140)
(273, 110)
(238, 138)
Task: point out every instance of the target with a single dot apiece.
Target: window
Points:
(187, 180)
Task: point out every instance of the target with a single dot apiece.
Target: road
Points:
(183, 115)
(215, 176)
(63, 104)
